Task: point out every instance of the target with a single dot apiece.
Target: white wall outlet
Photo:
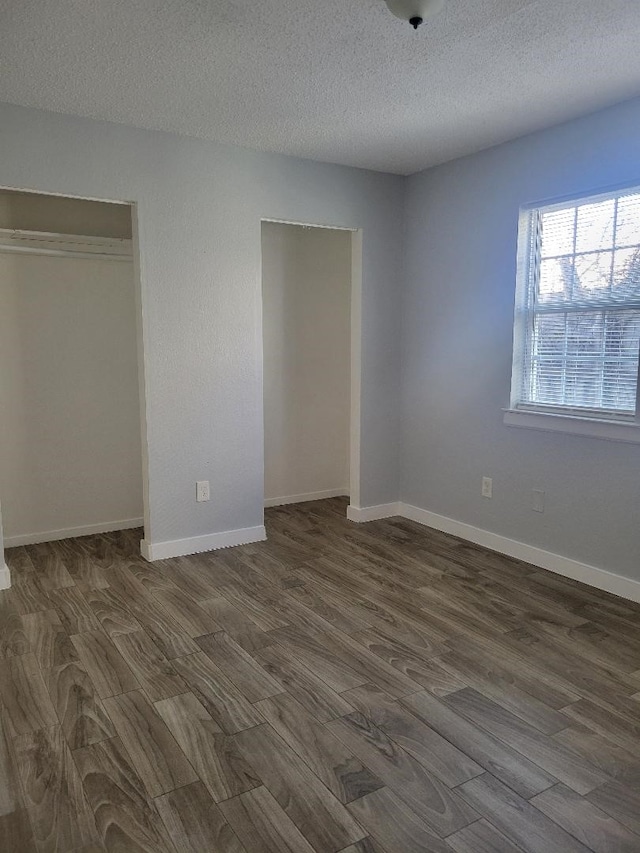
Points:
(203, 493)
(487, 487)
(537, 503)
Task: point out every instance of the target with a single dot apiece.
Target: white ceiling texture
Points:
(341, 81)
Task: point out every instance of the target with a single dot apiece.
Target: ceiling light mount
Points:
(414, 11)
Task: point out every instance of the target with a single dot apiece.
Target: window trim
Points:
(616, 426)
(627, 430)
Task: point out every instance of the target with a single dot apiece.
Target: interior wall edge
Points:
(141, 336)
(70, 459)
(306, 341)
(361, 514)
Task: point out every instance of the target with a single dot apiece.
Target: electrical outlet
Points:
(537, 503)
(203, 492)
(487, 487)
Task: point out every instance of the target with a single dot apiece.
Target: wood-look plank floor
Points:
(339, 688)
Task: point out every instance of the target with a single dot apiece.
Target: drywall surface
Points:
(306, 287)
(30, 212)
(199, 207)
(70, 453)
(457, 336)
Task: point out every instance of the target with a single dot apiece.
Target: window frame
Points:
(599, 423)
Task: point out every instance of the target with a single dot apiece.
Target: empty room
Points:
(320, 426)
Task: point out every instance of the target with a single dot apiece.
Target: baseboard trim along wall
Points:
(71, 532)
(565, 566)
(197, 544)
(5, 577)
(309, 496)
(373, 513)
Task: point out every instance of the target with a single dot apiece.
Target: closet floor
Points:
(340, 687)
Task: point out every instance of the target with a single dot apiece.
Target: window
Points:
(577, 329)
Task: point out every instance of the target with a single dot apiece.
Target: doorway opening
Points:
(311, 292)
(72, 450)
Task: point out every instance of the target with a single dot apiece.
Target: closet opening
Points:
(71, 449)
(311, 288)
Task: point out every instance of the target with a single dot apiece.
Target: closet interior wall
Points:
(70, 448)
(306, 285)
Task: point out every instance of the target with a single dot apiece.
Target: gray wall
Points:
(461, 226)
(199, 207)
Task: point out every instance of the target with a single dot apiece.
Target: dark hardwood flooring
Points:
(378, 688)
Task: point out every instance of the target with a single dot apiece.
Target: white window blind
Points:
(579, 319)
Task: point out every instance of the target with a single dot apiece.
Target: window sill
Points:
(574, 425)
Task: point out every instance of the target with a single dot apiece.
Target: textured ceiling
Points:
(335, 80)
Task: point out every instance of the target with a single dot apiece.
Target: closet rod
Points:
(61, 253)
(65, 245)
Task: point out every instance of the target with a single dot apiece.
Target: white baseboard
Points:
(309, 496)
(196, 544)
(5, 577)
(372, 513)
(590, 575)
(565, 566)
(71, 532)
